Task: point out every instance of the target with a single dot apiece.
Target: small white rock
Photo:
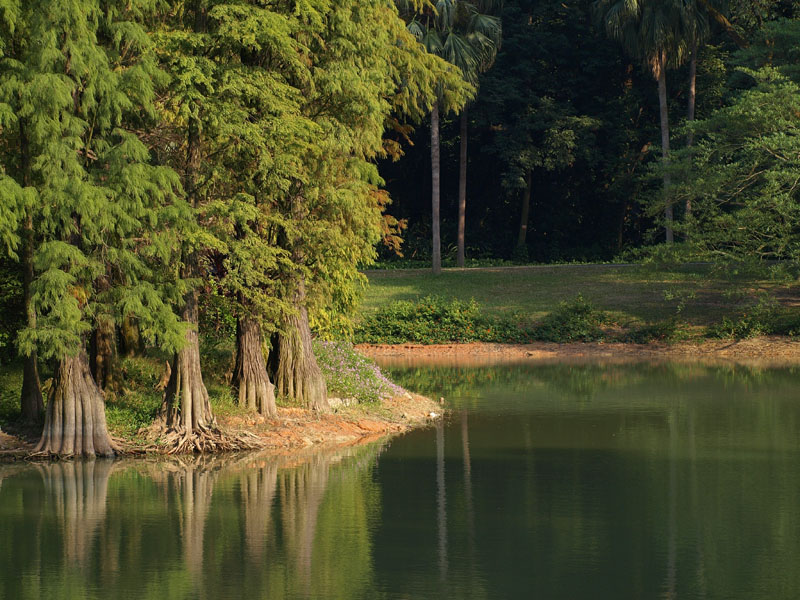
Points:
(433, 415)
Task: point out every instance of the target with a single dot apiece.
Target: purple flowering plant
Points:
(351, 375)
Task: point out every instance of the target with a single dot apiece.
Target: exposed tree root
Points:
(207, 440)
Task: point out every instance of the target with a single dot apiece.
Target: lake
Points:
(644, 480)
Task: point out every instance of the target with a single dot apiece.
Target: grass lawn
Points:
(630, 293)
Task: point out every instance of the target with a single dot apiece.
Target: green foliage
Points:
(351, 376)
(436, 320)
(11, 308)
(78, 81)
(430, 320)
(574, 321)
(762, 318)
(741, 176)
(10, 386)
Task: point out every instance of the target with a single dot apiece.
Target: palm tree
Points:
(656, 32)
(459, 32)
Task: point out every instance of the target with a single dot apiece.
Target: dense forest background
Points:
(566, 106)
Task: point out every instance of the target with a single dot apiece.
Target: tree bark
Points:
(102, 353)
(186, 406)
(691, 108)
(75, 421)
(525, 216)
(256, 392)
(292, 364)
(663, 109)
(435, 185)
(462, 188)
(31, 401)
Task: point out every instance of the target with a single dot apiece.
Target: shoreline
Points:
(297, 430)
(763, 351)
(294, 430)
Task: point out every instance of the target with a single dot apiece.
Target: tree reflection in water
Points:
(215, 527)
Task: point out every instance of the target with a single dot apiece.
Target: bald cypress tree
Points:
(365, 65)
(82, 78)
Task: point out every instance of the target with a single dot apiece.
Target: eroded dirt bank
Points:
(767, 351)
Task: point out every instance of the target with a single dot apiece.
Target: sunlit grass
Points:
(630, 294)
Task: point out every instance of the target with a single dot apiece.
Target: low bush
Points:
(575, 321)
(350, 375)
(762, 318)
(434, 320)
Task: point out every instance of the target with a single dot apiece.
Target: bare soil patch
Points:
(763, 351)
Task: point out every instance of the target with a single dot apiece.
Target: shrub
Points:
(576, 321)
(350, 375)
(430, 320)
(759, 319)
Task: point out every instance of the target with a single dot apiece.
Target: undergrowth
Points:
(434, 320)
(350, 375)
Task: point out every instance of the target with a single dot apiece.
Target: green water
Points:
(550, 481)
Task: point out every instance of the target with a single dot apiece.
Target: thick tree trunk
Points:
(75, 421)
(462, 188)
(526, 209)
(435, 185)
(186, 408)
(256, 392)
(662, 102)
(292, 364)
(102, 353)
(130, 339)
(691, 108)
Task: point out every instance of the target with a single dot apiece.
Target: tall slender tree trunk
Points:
(435, 186)
(525, 213)
(462, 188)
(75, 421)
(662, 103)
(256, 392)
(691, 108)
(31, 402)
(292, 364)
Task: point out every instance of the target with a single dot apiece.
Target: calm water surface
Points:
(546, 481)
